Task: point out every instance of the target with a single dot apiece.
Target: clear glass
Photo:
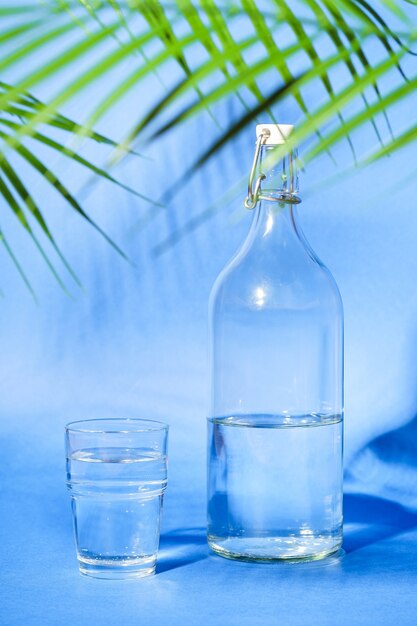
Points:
(116, 477)
(275, 427)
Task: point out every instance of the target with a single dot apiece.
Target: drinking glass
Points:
(116, 477)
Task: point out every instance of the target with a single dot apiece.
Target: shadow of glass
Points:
(369, 519)
(182, 547)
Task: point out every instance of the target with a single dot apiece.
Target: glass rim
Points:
(152, 425)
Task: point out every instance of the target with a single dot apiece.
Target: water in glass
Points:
(116, 498)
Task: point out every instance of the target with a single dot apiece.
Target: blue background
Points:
(132, 342)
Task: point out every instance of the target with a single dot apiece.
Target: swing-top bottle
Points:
(275, 426)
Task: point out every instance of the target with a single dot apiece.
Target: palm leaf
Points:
(273, 49)
(16, 31)
(394, 8)
(26, 105)
(220, 28)
(378, 19)
(128, 83)
(11, 202)
(288, 88)
(301, 34)
(321, 115)
(119, 12)
(60, 188)
(61, 149)
(206, 69)
(89, 76)
(192, 16)
(19, 9)
(52, 67)
(14, 259)
(356, 8)
(390, 99)
(34, 45)
(31, 205)
(303, 131)
(16, 208)
(399, 142)
(218, 93)
(209, 25)
(335, 37)
(154, 14)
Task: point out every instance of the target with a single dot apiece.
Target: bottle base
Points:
(275, 549)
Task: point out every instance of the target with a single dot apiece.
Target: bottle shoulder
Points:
(276, 267)
(276, 281)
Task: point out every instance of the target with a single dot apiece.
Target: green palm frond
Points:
(331, 34)
(12, 256)
(16, 184)
(27, 106)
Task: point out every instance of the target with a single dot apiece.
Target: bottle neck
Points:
(275, 222)
(275, 219)
(279, 176)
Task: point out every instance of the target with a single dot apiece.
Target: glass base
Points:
(117, 568)
(275, 549)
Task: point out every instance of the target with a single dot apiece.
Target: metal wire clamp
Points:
(253, 193)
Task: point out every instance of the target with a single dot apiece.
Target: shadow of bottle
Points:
(369, 519)
(387, 468)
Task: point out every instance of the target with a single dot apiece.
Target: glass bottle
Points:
(275, 426)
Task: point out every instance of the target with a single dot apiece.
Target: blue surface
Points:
(372, 583)
(133, 343)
